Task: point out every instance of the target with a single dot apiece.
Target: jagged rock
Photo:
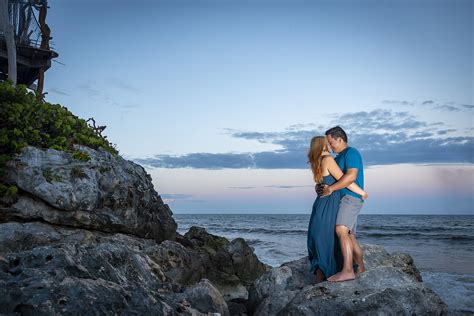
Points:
(246, 264)
(381, 291)
(106, 193)
(60, 270)
(231, 266)
(199, 299)
(53, 268)
(204, 297)
(238, 307)
(377, 256)
(391, 285)
(272, 291)
(178, 262)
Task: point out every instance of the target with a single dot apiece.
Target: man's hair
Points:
(337, 132)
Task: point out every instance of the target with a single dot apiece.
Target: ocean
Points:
(441, 245)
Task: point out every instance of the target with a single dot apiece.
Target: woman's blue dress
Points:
(323, 245)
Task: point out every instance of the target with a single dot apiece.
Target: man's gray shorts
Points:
(349, 209)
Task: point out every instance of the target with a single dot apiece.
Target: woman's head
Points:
(317, 149)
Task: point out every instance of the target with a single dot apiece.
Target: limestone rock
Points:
(54, 269)
(391, 285)
(106, 193)
(66, 271)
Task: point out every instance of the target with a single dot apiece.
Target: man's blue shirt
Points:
(347, 159)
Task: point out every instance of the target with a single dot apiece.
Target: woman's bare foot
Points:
(319, 276)
(360, 269)
(342, 276)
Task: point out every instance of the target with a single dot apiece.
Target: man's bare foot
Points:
(342, 276)
(333, 276)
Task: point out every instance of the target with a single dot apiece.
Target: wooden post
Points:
(45, 36)
(7, 28)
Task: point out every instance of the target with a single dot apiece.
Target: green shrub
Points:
(9, 190)
(26, 121)
(80, 155)
(76, 172)
(50, 176)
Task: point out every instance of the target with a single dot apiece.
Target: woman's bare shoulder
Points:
(327, 159)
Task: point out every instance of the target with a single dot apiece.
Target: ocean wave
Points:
(276, 252)
(362, 232)
(408, 228)
(259, 242)
(268, 231)
(415, 235)
(422, 234)
(454, 289)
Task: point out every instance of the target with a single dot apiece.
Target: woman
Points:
(323, 246)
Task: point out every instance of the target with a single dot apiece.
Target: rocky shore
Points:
(94, 237)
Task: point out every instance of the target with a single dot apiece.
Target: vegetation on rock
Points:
(24, 121)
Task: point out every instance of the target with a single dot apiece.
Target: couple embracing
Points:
(333, 250)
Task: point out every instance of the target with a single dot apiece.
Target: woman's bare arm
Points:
(337, 173)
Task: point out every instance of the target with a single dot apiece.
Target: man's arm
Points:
(346, 180)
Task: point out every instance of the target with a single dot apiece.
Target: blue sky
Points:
(219, 99)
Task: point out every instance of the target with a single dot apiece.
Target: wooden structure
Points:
(31, 40)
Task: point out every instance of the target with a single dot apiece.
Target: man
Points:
(350, 162)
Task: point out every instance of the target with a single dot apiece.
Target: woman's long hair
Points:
(318, 145)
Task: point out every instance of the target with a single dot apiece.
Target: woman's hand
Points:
(365, 196)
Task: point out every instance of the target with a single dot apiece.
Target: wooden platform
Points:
(29, 60)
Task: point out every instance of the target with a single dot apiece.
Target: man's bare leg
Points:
(357, 251)
(347, 272)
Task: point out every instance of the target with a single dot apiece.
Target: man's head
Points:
(337, 139)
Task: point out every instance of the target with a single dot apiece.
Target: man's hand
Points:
(365, 196)
(319, 188)
(326, 190)
(323, 190)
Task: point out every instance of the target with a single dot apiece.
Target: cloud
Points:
(445, 131)
(382, 136)
(58, 91)
(241, 188)
(201, 160)
(379, 119)
(104, 97)
(422, 135)
(91, 91)
(398, 102)
(273, 186)
(447, 108)
(287, 186)
(302, 126)
(448, 150)
(435, 105)
(175, 196)
(119, 83)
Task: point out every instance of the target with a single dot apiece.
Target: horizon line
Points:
(457, 214)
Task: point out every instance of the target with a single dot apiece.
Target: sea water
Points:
(441, 245)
